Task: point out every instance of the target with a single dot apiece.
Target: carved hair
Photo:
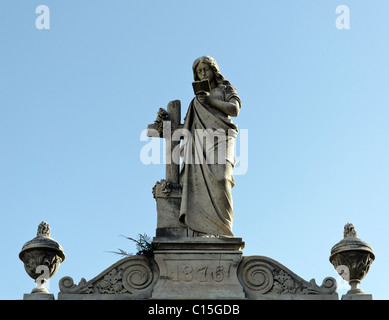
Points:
(213, 65)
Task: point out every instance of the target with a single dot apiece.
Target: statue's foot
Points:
(205, 235)
(193, 233)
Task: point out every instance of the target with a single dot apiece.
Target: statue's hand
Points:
(205, 98)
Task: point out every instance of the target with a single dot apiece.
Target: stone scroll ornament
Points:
(262, 276)
(131, 277)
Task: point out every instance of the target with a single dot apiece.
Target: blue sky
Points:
(75, 99)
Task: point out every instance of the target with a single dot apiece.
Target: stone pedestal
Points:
(38, 296)
(198, 268)
(168, 198)
(357, 297)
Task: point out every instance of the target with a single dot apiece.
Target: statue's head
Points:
(211, 62)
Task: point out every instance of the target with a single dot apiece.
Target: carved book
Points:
(200, 87)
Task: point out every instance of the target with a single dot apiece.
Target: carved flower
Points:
(114, 276)
(277, 287)
(117, 287)
(111, 283)
(284, 283)
(104, 284)
(289, 286)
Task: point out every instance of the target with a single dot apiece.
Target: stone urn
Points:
(352, 258)
(41, 257)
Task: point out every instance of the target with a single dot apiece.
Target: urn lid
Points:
(43, 241)
(351, 243)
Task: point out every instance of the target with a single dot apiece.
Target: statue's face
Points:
(204, 71)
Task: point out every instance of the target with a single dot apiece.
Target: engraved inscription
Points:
(202, 273)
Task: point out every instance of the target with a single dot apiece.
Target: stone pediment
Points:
(207, 268)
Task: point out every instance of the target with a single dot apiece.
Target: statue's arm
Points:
(231, 107)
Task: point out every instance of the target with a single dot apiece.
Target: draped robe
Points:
(206, 175)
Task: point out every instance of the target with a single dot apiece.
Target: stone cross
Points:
(167, 192)
(163, 127)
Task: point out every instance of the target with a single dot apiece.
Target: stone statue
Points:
(196, 255)
(206, 175)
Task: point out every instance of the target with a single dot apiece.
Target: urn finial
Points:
(41, 257)
(352, 259)
(43, 230)
(349, 230)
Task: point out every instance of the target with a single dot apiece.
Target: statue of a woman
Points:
(206, 203)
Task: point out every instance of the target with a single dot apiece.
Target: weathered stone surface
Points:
(42, 257)
(130, 278)
(210, 244)
(38, 296)
(196, 255)
(168, 197)
(198, 268)
(357, 297)
(266, 279)
(352, 259)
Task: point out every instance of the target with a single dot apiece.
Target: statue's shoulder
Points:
(229, 91)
